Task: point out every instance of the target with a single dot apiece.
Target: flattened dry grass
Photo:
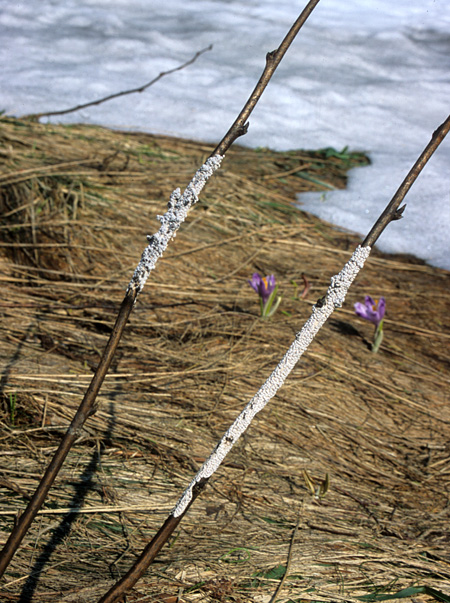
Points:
(76, 205)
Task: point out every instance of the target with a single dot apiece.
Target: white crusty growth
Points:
(177, 210)
(321, 311)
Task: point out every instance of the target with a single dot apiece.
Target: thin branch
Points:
(36, 116)
(392, 211)
(84, 411)
(288, 562)
(240, 125)
(157, 244)
(178, 208)
(321, 311)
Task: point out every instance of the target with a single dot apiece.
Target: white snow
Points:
(372, 75)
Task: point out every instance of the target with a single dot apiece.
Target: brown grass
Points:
(76, 204)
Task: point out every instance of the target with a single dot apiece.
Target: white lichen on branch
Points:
(320, 313)
(177, 210)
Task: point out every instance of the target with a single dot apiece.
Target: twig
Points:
(392, 212)
(156, 247)
(320, 312)
(240, 125)
(179, 206)
(84, 411)
(36, 116)
(288, 562)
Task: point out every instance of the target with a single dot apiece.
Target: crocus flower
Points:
(373, 311)
(263, 286)
(266, 288)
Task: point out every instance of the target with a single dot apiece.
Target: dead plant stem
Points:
(87, 406)
(36, 116)
(288, 562)
(202, 478)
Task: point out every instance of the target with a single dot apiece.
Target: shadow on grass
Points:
(85, 484)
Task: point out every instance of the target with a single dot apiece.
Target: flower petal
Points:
(255, 282)
(381, 309)
(361, 310)
(369, 301)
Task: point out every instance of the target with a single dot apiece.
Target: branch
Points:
(321, 311)
(36, 116)
(240, 125)
(392, 211)
(177, 210)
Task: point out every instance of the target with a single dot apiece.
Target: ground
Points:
(77, 203)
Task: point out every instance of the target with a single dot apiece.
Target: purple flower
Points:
(264, 286)
(371, 310)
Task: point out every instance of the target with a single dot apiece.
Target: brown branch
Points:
(36, 116)
(392, 211)
(178, 207)
(240, 125)
(149, 553)
(288, 562)
(155, 545)
(87, 406)
(85, 409)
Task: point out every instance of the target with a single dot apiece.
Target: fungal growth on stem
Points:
(320, 313)
(177, 211)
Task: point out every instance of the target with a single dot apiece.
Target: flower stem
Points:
(377, 338)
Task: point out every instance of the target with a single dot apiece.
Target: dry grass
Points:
(76, 204)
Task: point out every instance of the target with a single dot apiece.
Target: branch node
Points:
(244, 129)
(398, 215)
(270, 56)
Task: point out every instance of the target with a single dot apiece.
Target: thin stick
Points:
(320, 313)
(178, 208)
(392, 212)
(288, 562)
(157, 244)
(84, 411)
(240, 125)
(36, 116)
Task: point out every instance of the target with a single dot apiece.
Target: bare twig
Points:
(35, 116)
(392, 211)
(86, 409)
(240, 125)
(157, 245)
(320, 313)
(179, 206)
(288, 562)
